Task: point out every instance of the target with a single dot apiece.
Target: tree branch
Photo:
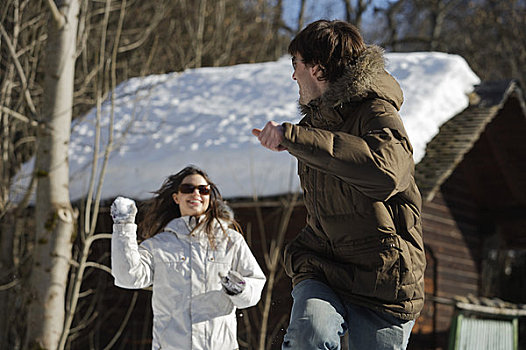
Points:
(19, 69)
(57, 16)
(18, 116)
(124, 322)
(98, 266)
(9, 285)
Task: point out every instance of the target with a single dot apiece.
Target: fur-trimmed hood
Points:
(365, 78)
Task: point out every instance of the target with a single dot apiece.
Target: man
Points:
(358, 265)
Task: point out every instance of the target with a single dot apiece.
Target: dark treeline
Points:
(489, 34)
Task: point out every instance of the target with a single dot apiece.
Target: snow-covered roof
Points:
(205, 116)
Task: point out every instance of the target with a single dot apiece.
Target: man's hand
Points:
(271, 136)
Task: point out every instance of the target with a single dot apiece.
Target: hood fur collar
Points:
(366, 77)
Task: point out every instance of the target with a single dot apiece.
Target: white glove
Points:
(233, 283)
(123, 211)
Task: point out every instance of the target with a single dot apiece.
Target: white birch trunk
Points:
(55, 218)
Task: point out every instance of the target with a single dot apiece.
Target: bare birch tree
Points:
(23, 33)
(55, 217)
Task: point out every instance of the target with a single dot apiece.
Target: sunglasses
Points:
(189, 188)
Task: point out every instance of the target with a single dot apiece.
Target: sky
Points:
(205, 116)
(326, 9)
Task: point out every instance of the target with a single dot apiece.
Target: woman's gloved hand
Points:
(233, 283)
(123, 211)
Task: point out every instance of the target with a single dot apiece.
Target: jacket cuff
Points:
(288, 135)
(244, 299)
(126, 230)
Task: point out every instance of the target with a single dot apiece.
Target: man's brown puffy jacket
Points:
(363, 235)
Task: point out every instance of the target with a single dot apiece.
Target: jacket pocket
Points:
(408, 271)
(373, 267)
(296, 260)
(174, 260)
(172, 269)
(217, 264)
(301, 255)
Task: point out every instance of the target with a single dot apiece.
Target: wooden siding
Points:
(451, 235)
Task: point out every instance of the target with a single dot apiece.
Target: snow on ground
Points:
(205, 117)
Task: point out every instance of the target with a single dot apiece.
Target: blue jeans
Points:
(319, 318)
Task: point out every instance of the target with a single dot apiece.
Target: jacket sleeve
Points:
(379, 164)
(132, 265)
(245, 263)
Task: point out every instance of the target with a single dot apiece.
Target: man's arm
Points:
(379, 164)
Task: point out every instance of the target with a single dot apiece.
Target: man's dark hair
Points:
(333, 45)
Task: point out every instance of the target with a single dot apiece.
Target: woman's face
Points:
(197, 197)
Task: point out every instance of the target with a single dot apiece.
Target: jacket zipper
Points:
(314, 197)
(315, 111)
(330, 249)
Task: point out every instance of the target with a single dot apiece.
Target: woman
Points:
(201, 268)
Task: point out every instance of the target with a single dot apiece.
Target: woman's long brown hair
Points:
(157, 212)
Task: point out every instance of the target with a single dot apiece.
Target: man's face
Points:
(306, 77)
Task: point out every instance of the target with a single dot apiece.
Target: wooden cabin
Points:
(473, 182)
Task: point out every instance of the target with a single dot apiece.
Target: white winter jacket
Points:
(190, 310)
